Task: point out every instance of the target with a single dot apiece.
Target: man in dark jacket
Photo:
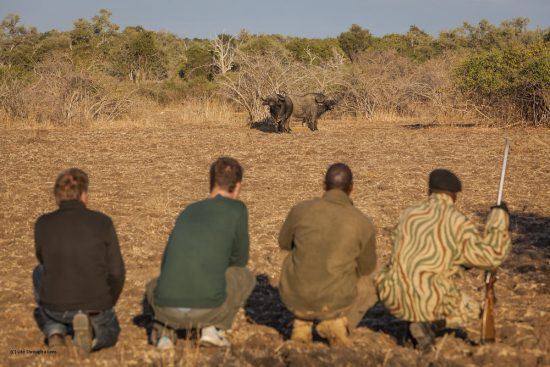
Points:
(203, 279)
(327, 274)
(81, 271)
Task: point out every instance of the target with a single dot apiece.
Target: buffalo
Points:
(280, 109)
(308, 107)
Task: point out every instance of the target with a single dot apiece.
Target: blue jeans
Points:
(104, 323)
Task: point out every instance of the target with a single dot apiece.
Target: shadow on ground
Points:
(531, 229)
(265, 307)
(530, 255)
(422, 125)
(266, 125)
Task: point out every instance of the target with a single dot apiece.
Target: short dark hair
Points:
(339, 176)
(70, 184)
(225, 173)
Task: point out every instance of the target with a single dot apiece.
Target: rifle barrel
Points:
(503, 171)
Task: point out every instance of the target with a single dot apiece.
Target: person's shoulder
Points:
(309, 204)
(99, 217)
(418, 207)
(45, 218)
(226, 203)
(457, 217)
(362, 217)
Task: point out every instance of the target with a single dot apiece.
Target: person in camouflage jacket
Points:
(432, 242)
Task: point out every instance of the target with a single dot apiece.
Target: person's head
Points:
(226, 175)
(339, 176)
(71, 184)
(444, 181)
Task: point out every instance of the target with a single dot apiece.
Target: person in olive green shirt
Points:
(203, 279)
(326, 275)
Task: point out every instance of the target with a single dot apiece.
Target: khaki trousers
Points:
(365, 299)
(239, 284)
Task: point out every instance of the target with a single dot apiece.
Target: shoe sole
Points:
(82, 332)
(207, 343)
(56, 343)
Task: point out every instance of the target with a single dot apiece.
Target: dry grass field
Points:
(142, 176)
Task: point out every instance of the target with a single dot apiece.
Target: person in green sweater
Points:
(203, 279)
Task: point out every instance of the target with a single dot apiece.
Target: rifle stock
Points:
(488, 315)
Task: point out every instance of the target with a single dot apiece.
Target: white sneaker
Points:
(213, 336)
(165, 343)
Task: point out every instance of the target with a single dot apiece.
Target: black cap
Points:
(444, 180)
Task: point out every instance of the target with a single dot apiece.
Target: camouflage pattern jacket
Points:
(431, 242)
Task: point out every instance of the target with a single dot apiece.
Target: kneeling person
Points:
(81, 271)
(432, 242)
(326, 275)
(203, 279)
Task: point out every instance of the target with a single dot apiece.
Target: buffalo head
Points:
(273, 99)
(324, 101)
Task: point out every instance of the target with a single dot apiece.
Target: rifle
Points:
(488, 316)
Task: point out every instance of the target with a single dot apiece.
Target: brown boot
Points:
(336, 331)
(56, 341)
(301, 331)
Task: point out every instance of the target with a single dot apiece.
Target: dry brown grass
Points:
(143, 176)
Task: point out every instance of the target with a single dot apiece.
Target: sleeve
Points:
(366, 263)
(166, 250)
(286, 235)
(115, 264)
(487, 251)
(241, 244)
(37, 241)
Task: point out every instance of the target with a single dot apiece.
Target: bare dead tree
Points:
(223, 53)
(261, 74)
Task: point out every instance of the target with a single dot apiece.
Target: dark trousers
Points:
(104, 323)
(239, 285)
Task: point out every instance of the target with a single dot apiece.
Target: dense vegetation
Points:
(98, 71)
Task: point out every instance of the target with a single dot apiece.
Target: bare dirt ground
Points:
(143, 177)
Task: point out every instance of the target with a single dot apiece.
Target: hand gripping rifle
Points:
(488, 316)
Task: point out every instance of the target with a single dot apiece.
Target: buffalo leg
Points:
(311, 124)
(286, 124)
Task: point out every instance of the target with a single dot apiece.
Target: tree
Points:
(355, 41)
(223, 52)
(419, 44)
(138, 56)
(103, 27)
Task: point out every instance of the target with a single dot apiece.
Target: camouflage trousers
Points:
(365, 299)
(467, 309)
(240, 283)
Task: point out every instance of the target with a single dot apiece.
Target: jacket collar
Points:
(71, 204)
(337, 196)
(441, 198)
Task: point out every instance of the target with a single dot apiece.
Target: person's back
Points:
(203, 279)
(424, 255)
(326, 275)
(330, 235)
(79, 250)
(432, 242)
(204, 243)
(81, 271)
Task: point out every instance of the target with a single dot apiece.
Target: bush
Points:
(59, 94)
(508, 83)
